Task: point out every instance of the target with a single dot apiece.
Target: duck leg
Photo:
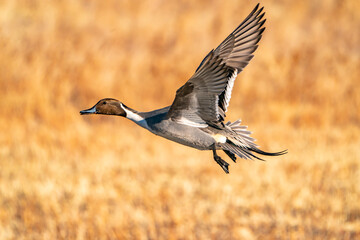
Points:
(224, 165)
(231, 155)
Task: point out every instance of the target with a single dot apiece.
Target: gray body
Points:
(180, 133)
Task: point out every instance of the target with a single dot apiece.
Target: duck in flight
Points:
(196, 116)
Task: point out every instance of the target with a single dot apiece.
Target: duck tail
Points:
(241, 144)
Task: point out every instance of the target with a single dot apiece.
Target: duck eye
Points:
(104, 103)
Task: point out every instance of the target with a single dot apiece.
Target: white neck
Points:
(136, 118)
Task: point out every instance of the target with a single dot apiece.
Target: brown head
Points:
(107, 106)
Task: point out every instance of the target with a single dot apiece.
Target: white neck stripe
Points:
(136, 118)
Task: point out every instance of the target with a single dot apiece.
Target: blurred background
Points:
(66, 176)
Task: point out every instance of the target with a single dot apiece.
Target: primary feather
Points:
(203, 100)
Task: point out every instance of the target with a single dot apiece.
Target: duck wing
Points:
(204, 98)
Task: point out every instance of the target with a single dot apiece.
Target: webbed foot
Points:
(231, 155)
(223, 164)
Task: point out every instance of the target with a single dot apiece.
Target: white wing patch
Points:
(216, 107)
(229, 88)
(187, 122)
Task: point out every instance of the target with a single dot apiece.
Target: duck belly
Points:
(185, 135)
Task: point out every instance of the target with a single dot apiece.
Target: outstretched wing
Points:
(205, 97)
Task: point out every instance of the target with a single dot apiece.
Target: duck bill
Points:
(89, 111)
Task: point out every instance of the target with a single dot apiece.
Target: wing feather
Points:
(205, 97)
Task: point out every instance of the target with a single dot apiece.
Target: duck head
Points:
(106, 106)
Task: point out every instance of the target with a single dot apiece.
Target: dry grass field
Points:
(66, 176)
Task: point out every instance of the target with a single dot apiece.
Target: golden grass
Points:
(66, 176)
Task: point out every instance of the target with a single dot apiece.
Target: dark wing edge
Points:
(214, 78)
(237, 49)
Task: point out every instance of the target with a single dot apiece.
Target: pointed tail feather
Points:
(248, 153)
(242, 145)
(259, 151)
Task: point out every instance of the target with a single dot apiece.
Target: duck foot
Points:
(223, 164)
(231, 155)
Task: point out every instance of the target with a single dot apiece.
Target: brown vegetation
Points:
(66, 176)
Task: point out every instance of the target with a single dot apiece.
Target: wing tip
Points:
(261, 16)
(255, 9)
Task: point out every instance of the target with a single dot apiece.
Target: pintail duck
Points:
(196, 116)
